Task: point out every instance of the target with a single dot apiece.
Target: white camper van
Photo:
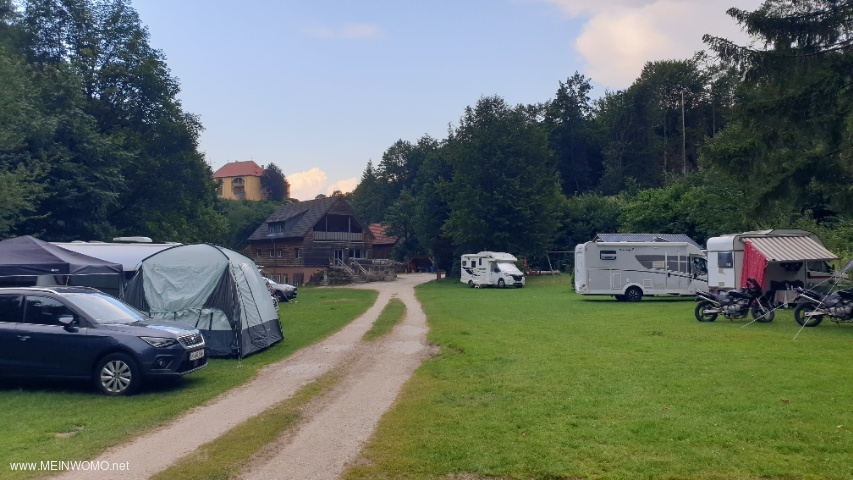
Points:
(491, 268)
(782, 259)
(630, 270)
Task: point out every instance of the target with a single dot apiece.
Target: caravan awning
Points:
(790, 249)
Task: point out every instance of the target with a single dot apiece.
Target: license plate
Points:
(196, 354)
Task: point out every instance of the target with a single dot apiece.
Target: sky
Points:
(321, 87)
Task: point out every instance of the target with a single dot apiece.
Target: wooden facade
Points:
(304, 238)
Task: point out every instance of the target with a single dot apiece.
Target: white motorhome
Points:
(491, 268)
(778, 259)
(631, 270)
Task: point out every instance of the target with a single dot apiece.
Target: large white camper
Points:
(630, 270)
(778, 259)
(491, 268)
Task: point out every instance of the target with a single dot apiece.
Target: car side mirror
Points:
(68, 322)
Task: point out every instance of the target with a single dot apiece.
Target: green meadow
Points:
(543, 383)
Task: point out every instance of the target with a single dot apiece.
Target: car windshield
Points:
(104, 308)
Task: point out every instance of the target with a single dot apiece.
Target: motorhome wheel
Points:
(633, 294)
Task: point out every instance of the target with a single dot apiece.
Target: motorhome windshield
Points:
(508, 267)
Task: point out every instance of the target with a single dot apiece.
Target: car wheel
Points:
(702, 315)
(117, 374)
(281, 297)
(501, 283)
(633, 294)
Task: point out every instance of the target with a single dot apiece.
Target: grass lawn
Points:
(51, 421)
(542, 383)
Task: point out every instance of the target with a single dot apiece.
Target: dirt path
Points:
(333, 434)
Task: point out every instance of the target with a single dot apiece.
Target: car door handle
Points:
(23, 338)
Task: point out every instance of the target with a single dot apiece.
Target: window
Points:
(10, 308)
(607, 255)
(657, 262)
(297, 253)
(700, 266)
(725, 260)
(272, 253)
(44, 311)
(279, 253)
(259, 253)
(464, 263)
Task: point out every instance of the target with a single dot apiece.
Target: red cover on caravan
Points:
(754, 263)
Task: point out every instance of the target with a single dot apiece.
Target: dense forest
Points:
(94, 143)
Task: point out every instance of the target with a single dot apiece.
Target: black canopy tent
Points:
(37, 260)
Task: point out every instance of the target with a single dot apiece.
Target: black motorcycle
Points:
(813, 306)
(734, 304)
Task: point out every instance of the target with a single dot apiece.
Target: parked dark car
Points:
(283, 291)
(81, 332)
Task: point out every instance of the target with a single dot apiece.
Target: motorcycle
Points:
(813, 306)
(734, 304)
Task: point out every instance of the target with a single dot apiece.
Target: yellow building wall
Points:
(251, 188)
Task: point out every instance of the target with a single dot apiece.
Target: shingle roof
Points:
(378, 231)
(644, 237)
(239, 169)
(299, 218)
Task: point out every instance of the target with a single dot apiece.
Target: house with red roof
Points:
(382, 243)
(240, 181)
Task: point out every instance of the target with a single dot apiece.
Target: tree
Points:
(504, 192)
(569, 118)
(123, 157)
(790, 136)
(274, 185)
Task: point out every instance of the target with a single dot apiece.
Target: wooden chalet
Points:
(302, 239)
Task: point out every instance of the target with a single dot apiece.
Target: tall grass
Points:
(43, 421)
(542, 383)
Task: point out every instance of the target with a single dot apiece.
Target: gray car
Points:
(283, 291)
(83, 333)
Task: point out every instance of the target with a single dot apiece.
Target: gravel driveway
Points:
(332, 434)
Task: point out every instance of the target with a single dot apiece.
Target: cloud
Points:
(307, 185)
(620, 36)
(349, 31)
(345, 186)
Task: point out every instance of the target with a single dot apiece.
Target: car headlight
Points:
(159, 342)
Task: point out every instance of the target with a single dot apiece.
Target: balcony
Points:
(338, 236)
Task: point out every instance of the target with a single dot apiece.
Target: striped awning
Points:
(790, 249)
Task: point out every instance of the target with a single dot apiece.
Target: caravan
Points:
(491, 268)
(780, 260)
(630, 270)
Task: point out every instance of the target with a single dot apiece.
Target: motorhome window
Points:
(657, 262)
(676, 264)
(725, 259)
(464, 263)
(607, 255)
(481, 262)
(700, 266)
(819, 266)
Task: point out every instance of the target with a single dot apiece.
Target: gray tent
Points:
(215, 289)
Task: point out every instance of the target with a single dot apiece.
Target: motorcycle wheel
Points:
(700, 312)
(800, 315)
(762, 314)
